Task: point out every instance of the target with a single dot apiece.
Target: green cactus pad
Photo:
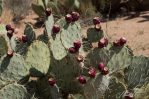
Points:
(55, 8)
(94, 35)
(2, 84)
(137, 74)
(38, 9)
(121, 58)
(70, 33)
(55, 92)
(61, 22)
(13, 69)
(21, 47)
(115, 90)
(14, 91)
(87, 45)
(65, 72)
(14, 43)
(2, 29)
(29, 32)
(43, 3)
(57, 48)
(3, 46)
(76, 96)
(38, 58)
(96, 56)
(95, 88)
(45, 90)
(142, 92)
(49, 25)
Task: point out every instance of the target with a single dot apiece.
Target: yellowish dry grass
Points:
(6, 16)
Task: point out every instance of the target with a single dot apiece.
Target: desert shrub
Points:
(19, 8)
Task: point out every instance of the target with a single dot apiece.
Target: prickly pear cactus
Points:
(38, 9)
(96, 56)
(66, 71)
(49, 24)
(137, 74)
(2, 29)
(142, 92)
(121, 58)
(13, 69)
(94, 35)
(56, 66)
(115, 89)
(38, 58)
(3, 46)
(20, 46)
(95, 88)
(14, 91)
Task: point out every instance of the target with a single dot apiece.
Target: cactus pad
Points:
(121, 58)
(70, 33)
(94, 35)
(76, 96)
(14, 91)
(29, 32)
(57, 48)
(137, 74)
(95, 88)
(2, 29)
(66, 71)
(115, 90)
(49, 25)
(142, 92)
(12, 69)
(38, 57)
(3, 46)
(96, 56)
(21, 47)
(38, 9)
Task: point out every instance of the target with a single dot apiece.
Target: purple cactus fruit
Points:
(128, 95)
(98, 27)
(75, 16)
(96, 20)
(9, 34)
(8, 27)
(68, 18)
(52, 81)
(116, 43)
(56, 28)
(122, 41)
(77, 44)
(101, 66)
(48, 11)
(10, 53)
(105, 71)
(103, 43)
(80, 58)
(24, 38)
(92, 72)
(81, 79)
(72, 50)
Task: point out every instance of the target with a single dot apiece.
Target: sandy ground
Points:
(136, 30)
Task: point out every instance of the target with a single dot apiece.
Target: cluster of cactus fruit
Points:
(62, 63)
